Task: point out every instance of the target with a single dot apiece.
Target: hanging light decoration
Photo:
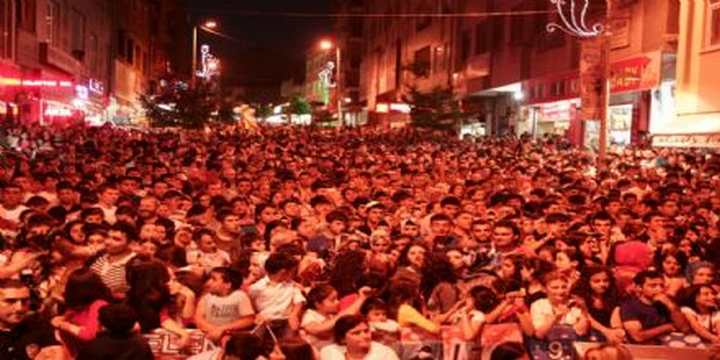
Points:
(572, 16)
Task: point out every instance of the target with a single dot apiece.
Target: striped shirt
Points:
(112, 273)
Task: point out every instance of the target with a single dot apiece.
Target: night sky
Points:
(270, 48)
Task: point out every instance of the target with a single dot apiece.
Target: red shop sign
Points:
(635, 74)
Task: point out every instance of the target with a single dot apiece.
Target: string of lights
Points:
(376, 15)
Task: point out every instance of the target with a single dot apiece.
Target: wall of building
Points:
(698, 81)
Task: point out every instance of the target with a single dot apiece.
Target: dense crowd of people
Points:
(297, 243)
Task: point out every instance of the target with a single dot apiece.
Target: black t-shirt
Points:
(108, 347)
(649, 316)
(34, 332)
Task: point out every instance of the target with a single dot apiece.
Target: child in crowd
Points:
(207, 255)
(224, 308)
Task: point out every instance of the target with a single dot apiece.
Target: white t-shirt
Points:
(223, 310)
(542, 312)
(377, 352)
(208, 261)
(273, 301)
(314, 317)
(208, 355)
(12, 215)
(711, 322)
(109, 214)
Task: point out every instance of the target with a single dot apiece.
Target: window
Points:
(52, 23)
(482, 44)
(516, 29)
(466, 44)
(130, 53)
(422, 62)
(26, 10)
(94, 55)
(6, 30)
(713, 38)
(440, 63)
(77, 31)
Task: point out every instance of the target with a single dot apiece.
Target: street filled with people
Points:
(304, 243)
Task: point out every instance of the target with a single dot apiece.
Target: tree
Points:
(263, 111)
(436, 109)
(177, 104)
(299, 106)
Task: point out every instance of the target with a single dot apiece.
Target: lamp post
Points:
(327, 45)
(572, 16)
(209, 24)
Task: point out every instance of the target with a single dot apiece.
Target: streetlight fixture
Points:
(208, 24)
(327, 45)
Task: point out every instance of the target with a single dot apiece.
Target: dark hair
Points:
(118, 319)
(402, 260)
(148, 293)
(84, 287)
(318, 294)
(484, 298)
(440, 217)
(373, 303)
(644, 275)
(582, 288)
(296, 349)
(437, 270)
(509, 225)
(508, 351)
(678, 255)
(279, 261)
(689, 295)
(345, 324)
(245, 346)
(230, 276)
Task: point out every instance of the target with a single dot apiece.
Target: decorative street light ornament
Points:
(210, 64)
(573, 19)
(326, 75)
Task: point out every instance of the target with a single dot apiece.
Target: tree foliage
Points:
(177, 104)
(299, 106)
(436, 109)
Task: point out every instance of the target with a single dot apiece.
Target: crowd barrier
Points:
(450, 345)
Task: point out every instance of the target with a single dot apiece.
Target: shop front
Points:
(553, 103)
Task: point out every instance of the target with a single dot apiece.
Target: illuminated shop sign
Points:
(35, 83)
(96, 87)
(58, 111)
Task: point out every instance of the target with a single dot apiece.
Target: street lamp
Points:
(326, 45)
(208, 24)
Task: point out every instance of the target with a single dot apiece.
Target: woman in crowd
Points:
(702, 313)
(85, 294)
(599, 294)
(352, 340)
(150, 297)
(558, 309)
(411, 264)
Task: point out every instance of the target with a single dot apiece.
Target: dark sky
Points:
(270, 48)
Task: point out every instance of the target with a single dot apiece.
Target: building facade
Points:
(404, 52)
(54, 59)
(698, 81)
(512, 75)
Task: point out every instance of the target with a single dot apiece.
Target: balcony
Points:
(50, 55)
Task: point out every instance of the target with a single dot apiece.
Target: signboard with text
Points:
(686, 140)
(636, 73)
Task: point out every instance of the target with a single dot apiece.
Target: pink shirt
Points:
(87, 319)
